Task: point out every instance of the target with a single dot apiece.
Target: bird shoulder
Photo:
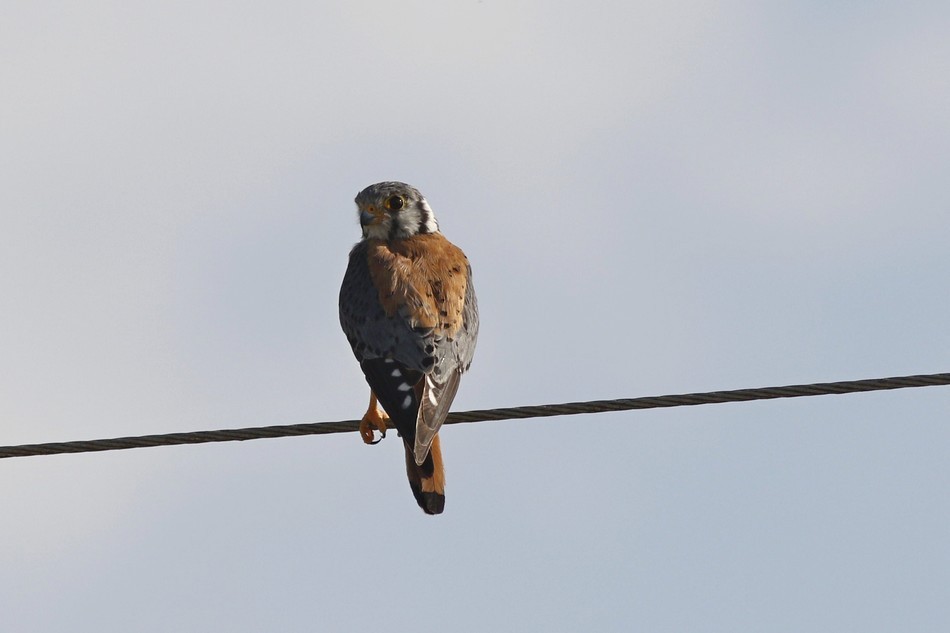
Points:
(424, 275)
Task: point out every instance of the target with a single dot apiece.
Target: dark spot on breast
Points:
(428, 361)
(430, 349)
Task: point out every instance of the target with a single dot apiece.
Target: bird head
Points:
(393, 211)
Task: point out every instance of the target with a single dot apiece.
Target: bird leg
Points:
(374, 419)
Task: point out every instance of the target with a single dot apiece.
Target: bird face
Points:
(393, 211)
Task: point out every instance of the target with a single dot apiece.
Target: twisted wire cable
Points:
(485, 415)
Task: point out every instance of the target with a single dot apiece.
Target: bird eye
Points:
(394, 203)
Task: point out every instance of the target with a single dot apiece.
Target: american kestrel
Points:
(408, 309)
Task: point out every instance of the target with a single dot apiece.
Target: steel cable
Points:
(485, 415)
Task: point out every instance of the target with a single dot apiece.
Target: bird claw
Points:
(373, 420)
(367, 432)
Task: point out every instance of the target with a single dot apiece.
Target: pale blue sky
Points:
(656, 197)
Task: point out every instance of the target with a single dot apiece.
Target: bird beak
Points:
(366, 217)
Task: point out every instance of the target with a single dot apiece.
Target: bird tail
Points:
(427, 480)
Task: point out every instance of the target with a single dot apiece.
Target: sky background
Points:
(656, 197)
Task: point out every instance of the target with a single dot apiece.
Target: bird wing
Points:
(438, 389)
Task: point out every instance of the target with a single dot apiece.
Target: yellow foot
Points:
(374, 419)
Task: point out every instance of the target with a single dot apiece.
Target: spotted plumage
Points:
(408, 309)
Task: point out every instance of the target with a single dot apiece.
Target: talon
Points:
(367, 429)
(374, 419)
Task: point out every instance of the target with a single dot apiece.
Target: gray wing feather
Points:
(371, 333)
(464, 343)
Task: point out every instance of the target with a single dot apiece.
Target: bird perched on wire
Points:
(408, 308)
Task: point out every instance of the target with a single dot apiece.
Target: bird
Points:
(409, 312)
